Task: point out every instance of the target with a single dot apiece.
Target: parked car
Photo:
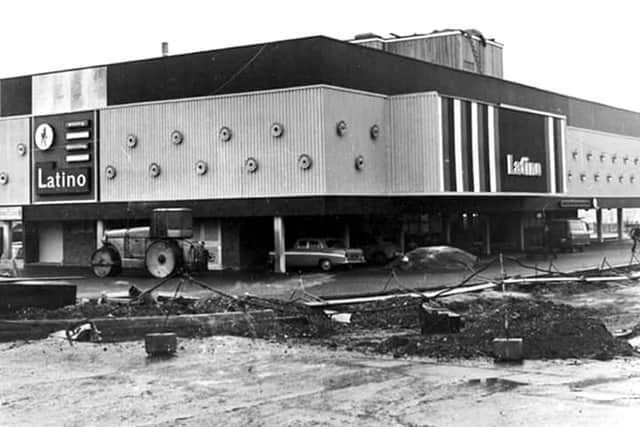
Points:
(324, 253)
(568, 234)
(381, 251)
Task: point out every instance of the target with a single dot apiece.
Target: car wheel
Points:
(325, 265)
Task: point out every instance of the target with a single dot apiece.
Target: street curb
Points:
(251, 323)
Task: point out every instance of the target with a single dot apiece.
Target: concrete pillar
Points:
(279, 265)
(6, 239)
(599, 225)
(487, 236)
(447, 229)
(620, 223)
(347, 236)
(99, 233)
(521, 240)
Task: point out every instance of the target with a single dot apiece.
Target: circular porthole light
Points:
(154, 170)
(201, 167)
(374, 132)
(305, 162)
(110, 172)
(251, 165)
(132, 141)
(176, 137)
(277, 130)
(225, 134)
(341, 128)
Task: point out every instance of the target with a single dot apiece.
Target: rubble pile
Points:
(549, 331)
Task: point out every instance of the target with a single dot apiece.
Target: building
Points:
(270, 142)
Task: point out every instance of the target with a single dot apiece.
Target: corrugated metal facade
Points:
(360, 112)
(415, 144)
(249, 117)
(14, 132)
(602, 164)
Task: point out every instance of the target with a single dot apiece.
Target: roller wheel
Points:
(325, 265)
(163, 258)
(105, 262)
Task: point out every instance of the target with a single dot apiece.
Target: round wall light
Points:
(277, 130)
(251, 165)
(110, 172)
(201, 167)
(154, 170)
(341, 128)
(225, 134)
(132, 141)
(176, 137)
(305, 162)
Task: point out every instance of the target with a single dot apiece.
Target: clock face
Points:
(44, 136)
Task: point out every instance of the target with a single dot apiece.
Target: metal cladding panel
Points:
(249, 118)
(596, 164)
(359, 112)
(14, 132)
(15, 96)
(69, 91)
(415, 143)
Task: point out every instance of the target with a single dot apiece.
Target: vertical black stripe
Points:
(557, 137)
(483, 147)
(465, 143)
(496, 154)
(448, 156)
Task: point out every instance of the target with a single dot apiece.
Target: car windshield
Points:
(577, 226)
(335, 244)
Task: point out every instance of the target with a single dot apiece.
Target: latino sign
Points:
(522, 145)
(50, 180)
(64, 157)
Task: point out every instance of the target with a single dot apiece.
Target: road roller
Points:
(164, 248)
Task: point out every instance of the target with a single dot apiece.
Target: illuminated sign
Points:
(50, 180)
(65, 171)
(43, 136)
(523, 167)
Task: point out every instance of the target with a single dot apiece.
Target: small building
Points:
(270, 142)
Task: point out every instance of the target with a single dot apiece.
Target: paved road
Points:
(365, 279)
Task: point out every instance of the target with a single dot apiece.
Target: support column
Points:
(99, 233)
(620, 223)
(6, 239)
(521, 233)
(347, 236)
(599, 225)
(279, 264)
(403, 227)
(487, 236)
(447, 229)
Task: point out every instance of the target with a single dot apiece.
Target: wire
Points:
(240, 70)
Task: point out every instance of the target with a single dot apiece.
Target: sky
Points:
(588, 49)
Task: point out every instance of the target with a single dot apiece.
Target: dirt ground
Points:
(376, 370)
(243, 382)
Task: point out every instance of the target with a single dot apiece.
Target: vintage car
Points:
(324, 253)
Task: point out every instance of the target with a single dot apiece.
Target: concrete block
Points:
(438, 321)
(161, 343)
(508, 349)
